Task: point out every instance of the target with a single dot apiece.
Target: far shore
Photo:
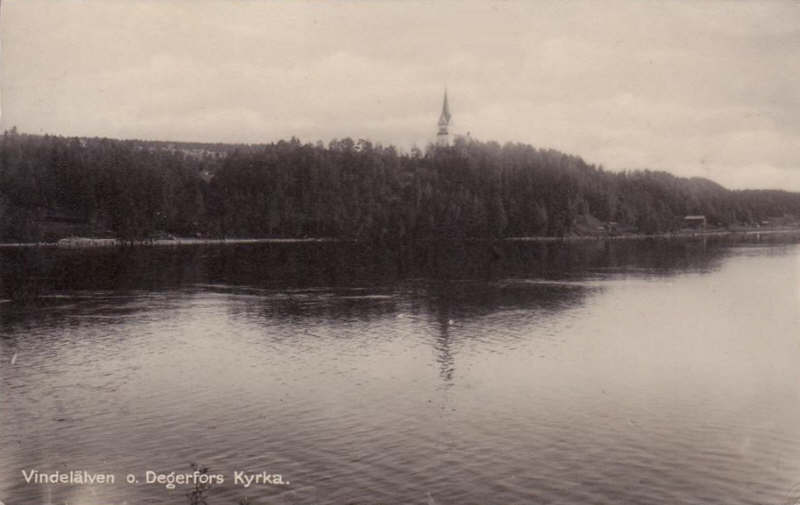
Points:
(87, 242)
(90, 242)
(674, 235)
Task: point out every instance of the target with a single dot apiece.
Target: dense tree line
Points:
(53, 185)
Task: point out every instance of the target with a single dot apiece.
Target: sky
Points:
(696, 88)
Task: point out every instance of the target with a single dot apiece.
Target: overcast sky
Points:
(695, 88)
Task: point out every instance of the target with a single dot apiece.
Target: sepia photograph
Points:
(385, 252)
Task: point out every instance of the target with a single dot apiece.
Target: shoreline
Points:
(665, 235)
(89, 242)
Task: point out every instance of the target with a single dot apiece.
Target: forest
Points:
(53, 186)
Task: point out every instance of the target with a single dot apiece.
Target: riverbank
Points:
(89, 242)
(667, 235)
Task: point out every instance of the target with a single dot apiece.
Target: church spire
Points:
(444, 119)
(442, 136)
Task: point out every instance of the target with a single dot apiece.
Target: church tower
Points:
(443, 136)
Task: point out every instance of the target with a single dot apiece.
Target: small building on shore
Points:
(696, 222)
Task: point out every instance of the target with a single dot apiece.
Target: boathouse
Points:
(695, 222)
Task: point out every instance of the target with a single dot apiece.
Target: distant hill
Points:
(52, 186)
(197, 150)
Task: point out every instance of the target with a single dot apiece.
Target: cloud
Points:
(709, 88)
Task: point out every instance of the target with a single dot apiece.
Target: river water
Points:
(621, 372)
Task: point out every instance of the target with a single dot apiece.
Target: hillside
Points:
(51, 187)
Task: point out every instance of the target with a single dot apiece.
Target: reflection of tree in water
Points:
(22, 274)
(659, 256)
(25, 273)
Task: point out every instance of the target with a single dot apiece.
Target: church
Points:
(443, 135)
